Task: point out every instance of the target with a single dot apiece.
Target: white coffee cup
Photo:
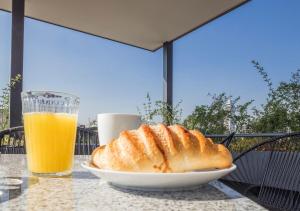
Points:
(111, 124)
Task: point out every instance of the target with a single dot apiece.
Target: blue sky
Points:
(112, 77)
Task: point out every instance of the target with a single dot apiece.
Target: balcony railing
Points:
(12, 140)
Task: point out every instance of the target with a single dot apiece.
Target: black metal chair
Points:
(12, 141)
(269, 172)
(226, 142)
(86, 141)
(219, 138)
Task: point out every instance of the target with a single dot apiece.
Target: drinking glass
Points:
(50, 123)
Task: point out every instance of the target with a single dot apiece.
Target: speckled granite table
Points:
(83, 191)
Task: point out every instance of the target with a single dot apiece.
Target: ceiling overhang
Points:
(145, 24)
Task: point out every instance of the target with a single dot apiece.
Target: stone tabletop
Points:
(83, 191)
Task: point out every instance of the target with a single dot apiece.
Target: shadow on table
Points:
(83, 175)
(13, 187)
(204, 192)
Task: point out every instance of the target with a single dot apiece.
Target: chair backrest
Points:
(280, 187)
(228, 139)
(221, 139)
(12, 141)
(86, 141)
(272, 169)
(250, 168)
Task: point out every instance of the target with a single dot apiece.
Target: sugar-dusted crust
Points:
(160, 148)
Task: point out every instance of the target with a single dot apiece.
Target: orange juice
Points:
(50, 141)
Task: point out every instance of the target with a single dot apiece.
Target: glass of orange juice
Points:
(50, 123)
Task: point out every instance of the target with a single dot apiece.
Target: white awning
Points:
(142, 23)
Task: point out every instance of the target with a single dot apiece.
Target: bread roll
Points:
(158, 148)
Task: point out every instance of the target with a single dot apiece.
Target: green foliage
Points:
(260, 69)
(160, 109)
(4, 102)
(211, 118)
(149, 111)
(281, 113)
(242, 144)
(288, 144)
(242, 117)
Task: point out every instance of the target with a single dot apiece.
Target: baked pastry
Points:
(160, 148)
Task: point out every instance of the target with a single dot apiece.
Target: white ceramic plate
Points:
(158, 181)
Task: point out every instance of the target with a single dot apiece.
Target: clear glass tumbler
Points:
(50, 123)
